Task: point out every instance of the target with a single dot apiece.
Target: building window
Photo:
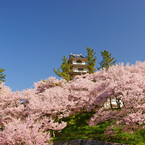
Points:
(80, 69)
(79, 61)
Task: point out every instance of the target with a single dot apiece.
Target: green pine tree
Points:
(107, 60)
(64, 70)
(2, 76)
(91, 60)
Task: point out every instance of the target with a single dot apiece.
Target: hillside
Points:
(57, 109)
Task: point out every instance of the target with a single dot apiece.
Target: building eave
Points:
(71, 58)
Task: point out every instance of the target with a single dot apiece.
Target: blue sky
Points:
(35, 34)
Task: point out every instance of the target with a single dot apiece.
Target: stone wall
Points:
(83, 142)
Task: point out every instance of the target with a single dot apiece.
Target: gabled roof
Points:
(76, 55)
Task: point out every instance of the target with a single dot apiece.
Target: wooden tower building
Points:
(78, 64)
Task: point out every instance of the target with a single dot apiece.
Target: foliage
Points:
(91, 60)
(107, 60)
(77, 128)
(2, 76)
(57, 108)
(64, 70)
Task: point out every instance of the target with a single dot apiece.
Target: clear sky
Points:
(35, 34)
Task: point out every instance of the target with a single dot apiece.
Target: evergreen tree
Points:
(64, 70)
(91, 60)
(107, 60)
(2, 76)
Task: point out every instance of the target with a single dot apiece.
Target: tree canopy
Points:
(49, 104)
(91, 60)
(2, 76)
(107, 60)
(64, 70)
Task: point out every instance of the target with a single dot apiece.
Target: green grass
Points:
(78, 128)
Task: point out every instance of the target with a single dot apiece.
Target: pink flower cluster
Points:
(28, 116)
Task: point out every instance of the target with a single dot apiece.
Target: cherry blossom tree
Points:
(28, 117)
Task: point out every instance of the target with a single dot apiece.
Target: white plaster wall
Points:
(75, 62)
(113, 102)
(75, 69)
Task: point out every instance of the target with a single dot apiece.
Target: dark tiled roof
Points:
(76, 56)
